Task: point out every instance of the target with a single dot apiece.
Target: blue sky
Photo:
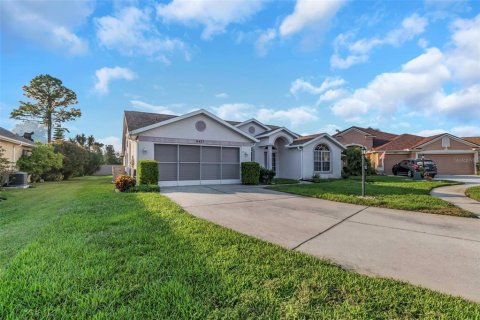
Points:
(312, 66)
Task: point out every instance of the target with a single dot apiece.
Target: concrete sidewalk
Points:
(456, 194)
(437, 252)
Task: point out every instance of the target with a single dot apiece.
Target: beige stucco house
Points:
(14, 145)
(200, 148)
(452, 154)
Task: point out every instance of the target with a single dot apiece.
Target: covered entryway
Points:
(453, 163)
(197, 164)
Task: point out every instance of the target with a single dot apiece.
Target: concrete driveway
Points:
(456, 194)
(437, 252)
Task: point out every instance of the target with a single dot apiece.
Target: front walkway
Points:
(438, 252)
(456, 194)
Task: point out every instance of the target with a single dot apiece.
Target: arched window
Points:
(321, 158)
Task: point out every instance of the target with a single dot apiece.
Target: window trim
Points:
(319, 154)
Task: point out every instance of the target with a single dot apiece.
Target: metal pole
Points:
(363, 171)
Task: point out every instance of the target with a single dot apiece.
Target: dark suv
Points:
(408, 167)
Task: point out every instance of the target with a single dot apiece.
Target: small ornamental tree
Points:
(41, 160)
(147, 172)
(250, 173)
(352, 157)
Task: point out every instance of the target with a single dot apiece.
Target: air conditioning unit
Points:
(18, 179)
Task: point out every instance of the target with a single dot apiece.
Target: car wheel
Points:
(433, 176)
(394, 172)
(410, 174)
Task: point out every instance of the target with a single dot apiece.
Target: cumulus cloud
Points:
(243, 111)
(330, 128)
(466, 131)
(332, 95)
(308, 13)
(301, 85)
(222, 95)
(426, 85)
(144, 106)
(105, 75)
(430, 132)
(50, 24)
(264, 40)
(214, 16)
(131, 31)
(358, 51)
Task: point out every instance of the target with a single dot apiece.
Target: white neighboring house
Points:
(200, 148)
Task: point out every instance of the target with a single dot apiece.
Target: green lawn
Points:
(473, 192)
(284, 181)
(389, 192)
(79, 250)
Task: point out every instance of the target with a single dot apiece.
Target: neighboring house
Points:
(14, 145)
(201, 148)
(453, 155)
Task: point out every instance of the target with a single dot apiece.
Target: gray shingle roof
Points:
(136, 119)
(304, 139)
(8, 134)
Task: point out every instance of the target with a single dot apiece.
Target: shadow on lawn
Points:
(113, 255)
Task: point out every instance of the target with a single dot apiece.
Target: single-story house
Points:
(200, 148)
(14, 145)
(453, 155)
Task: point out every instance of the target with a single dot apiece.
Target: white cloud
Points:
(465, 57)
(214, 16)
(222, 95)
(141, 105)
(308, 13)
(358, 51)
(430, 132)
(131, 32)
(49, 24)
(114, 141)
(300, 85)
(329, 128)
(466, 131)
(235, 111)
(105, 75)
(332, 95)
(294, 116)
(264, 40)
(243, 111)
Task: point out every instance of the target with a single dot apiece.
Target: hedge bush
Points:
(250, 173)
(144, 188)
(147, 172)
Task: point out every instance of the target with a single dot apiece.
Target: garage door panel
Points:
(189, 153)
(211, 154)
(211, 171)
(230, 171)
(230, 155)
(189, 171)
(167, 171)
(165, 153)
(453, 163)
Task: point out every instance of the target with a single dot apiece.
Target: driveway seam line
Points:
(236, 202)
(410, 230)
(329, 228)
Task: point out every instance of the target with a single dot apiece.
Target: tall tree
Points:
(90, 141)
(52, 103)
(80, 139)
(111, 157)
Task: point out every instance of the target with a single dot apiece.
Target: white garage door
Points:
(193, 164)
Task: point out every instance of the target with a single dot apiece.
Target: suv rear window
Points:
(429, 162)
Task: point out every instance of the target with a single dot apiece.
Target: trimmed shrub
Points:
(250, 173)
(144, 188)
(316, 178)
(266, 175)
(123, 183)
(147, 172)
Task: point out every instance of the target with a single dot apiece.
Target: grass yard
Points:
(284, 181)
(77, 249)
(389, 192)
(473, 192)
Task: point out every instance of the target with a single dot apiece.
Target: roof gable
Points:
(174, 119)
(254, 121)
(306, 140)
(437, 137)
(273, 131)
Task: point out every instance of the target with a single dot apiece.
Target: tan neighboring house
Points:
(14, 145)
(452, 154)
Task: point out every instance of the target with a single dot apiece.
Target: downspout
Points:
(301, 162)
